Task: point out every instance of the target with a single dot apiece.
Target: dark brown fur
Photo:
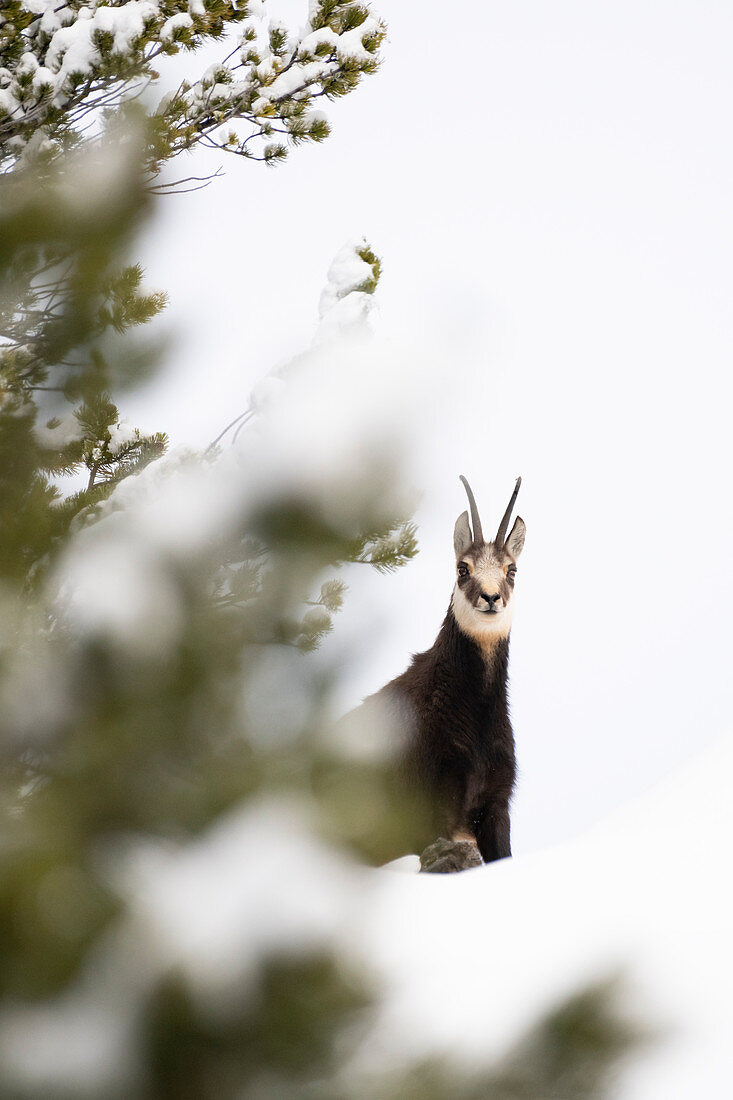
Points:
(451, 707)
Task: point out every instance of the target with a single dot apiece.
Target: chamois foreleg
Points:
(492, 831)
(487, 803)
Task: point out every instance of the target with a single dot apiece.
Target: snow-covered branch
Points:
(63, 66)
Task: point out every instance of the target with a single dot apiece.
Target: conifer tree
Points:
(67, 310)
(68, 74)
(148, 787)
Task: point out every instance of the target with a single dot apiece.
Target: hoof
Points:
(445, 856)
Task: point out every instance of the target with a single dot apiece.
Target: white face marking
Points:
(480, 625)
(489, 574)
(484, 626)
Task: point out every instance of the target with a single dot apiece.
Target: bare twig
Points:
(245, 416)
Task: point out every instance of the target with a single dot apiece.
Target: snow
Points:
(467, 962)
(266, 391)
(324, 36)
(329, 423)
(8, 102)
(73, 1045)
(187, 913)
(125, 23)
(301, 76)
(346, 314)
(58, 432)
(43, 78)
(175, 22)
(237, 920)
(34, 694)
(350, 45)
(168, 512)
(121, 435)
(140, 611)
(71, 48)
(348, 272)
(405, 865)
(644, 895)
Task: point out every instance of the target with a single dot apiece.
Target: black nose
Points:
(491, 600)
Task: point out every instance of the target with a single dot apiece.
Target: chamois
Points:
(449, 707)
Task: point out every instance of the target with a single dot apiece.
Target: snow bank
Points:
(646, 894)
(468, 962)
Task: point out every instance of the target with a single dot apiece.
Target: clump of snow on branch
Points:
(349, 273)
(348, 297)
(121, 435)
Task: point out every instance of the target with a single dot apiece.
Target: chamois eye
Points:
(463, 569)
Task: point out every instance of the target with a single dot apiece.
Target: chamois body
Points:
(448, 712)
(458, 748)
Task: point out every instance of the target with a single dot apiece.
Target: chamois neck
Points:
(488, 655)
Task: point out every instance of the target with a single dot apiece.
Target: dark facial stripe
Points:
(472, 590)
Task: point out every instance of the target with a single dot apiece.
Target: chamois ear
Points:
(515, 542)
(462, 537)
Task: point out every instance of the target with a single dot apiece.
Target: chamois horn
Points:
(478, 535)
(501, 533)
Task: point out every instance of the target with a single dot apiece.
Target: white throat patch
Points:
(484, 628)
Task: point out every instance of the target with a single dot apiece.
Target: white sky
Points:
(549, 187)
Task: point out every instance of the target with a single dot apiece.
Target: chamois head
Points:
(482, 597)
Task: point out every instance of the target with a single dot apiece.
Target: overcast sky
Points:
(549, 186)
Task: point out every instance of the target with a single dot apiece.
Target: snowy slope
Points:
(467, 962)
(647, 894)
